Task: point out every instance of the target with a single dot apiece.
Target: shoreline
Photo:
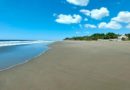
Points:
(28, 60)
(70, 65)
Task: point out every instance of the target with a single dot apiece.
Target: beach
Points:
(73, 65)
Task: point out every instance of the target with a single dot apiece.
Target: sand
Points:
(73, 65)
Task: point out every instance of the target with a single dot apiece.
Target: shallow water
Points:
(17, 54)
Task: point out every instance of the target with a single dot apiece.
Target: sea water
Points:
(13, 53)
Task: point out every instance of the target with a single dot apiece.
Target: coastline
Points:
(71, 65)
(28, 60)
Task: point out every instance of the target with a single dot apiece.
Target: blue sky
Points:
(57, 19)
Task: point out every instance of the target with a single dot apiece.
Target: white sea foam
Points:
(14, 43)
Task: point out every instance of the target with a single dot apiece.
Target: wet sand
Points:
(73, 65)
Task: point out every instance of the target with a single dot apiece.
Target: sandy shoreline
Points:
(73, 66)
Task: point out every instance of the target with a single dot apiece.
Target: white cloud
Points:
(110, 25)
(90, 26)
(85, 12)
(128, 26)
(99, 13)
(79, 2)
(123, 17)
(115, 23)
(68, 19)
(96, 13)
(102, 25)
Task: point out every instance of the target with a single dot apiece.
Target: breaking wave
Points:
(14, 43)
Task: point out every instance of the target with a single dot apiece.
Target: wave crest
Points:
(14, 43)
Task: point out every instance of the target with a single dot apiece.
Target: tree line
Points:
(97, 36)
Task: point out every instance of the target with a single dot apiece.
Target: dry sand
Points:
(73, 65)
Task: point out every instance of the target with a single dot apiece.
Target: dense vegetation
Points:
(97, 36)
(128, 35)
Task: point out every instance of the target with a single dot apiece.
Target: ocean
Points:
(13, 53)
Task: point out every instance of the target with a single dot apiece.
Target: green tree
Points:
(128, 35)
(111, 36)
(96, 36)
